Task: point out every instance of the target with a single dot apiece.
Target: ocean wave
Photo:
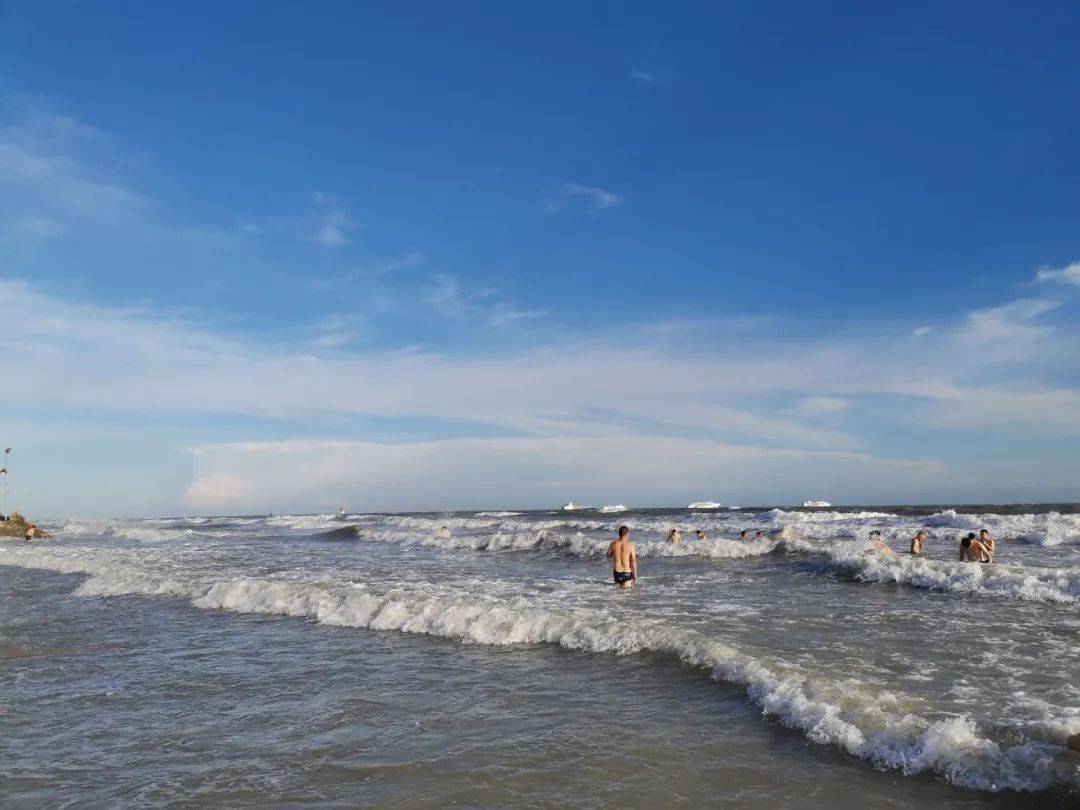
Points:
(1049, 529)
(127, 530)
(1030, 583)
(576, 544)
(871, 724)
(304, 521)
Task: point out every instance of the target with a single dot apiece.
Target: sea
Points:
(484, 659)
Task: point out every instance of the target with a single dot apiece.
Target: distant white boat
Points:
(813, 504)
(609, 510)
(704, 505)
(569, 506)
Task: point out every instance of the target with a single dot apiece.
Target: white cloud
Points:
(1069, 274)
(90, 359)
(646, 77)
(219, 491)
(33, 229)
(334, 331)
(824, 405)
(53, 187)
(448, 296)
(922, 331)
(503, 314)
(331, 230)
(385, 268)
(530, 471)
(1007, 331)
(580, 198)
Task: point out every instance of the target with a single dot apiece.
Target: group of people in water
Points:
(978, 548)
(674, 536)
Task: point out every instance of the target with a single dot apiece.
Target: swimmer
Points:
(918, 543)
(700, 534)
(624, 559)
(971, 550)
(744, 535)
(443, 533)
(31, 531)
(674, 537)
(878, 545)
(759, 536)
(988, 541)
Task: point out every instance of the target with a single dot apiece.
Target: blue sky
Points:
(266, 257)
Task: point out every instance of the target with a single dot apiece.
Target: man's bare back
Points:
(624, 559)
(974, 551)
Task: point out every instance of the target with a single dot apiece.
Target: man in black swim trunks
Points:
(624, 559)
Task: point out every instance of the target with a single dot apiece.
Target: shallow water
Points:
(148, 662)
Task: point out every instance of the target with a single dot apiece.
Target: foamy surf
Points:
(874, 725)
(574, 544)
(996, 580)
(127, 530)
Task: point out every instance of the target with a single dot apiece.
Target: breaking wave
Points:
(141, 531)
(1032, 583)
(575, 544)
(874, 725)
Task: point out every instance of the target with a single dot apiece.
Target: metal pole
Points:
(7, 475)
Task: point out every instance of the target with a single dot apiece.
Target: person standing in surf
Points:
(989, 542)
(624, 559)
(674, 536)
(918, 543)
(971, 550)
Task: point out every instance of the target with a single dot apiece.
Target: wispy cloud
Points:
(1070, 274)
(675, 405)
(530, 470)
(647, 77)
(1006, 331)
(50, 190)
(32, 229)
(373, 270)
(503, 314)
(334, 331)
(449, 296)
(579, 198)
(817, 405)
(330, 230)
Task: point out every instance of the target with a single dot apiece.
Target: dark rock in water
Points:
(18, 526)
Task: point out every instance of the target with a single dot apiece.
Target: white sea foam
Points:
(1033, 583)
(575, 543)
(1049, 529)
(128, 530)
(613, 509)
(307, 522)
(868, 723)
